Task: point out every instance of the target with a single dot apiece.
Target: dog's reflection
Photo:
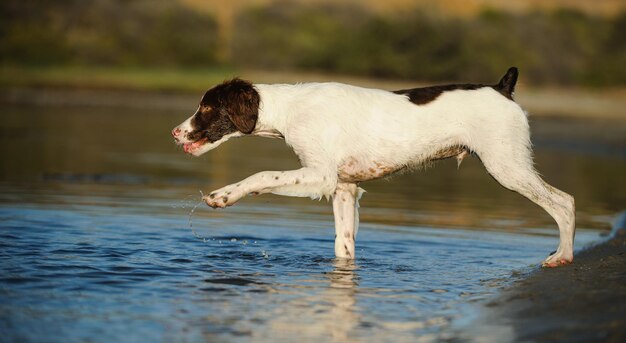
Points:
(343, 317)
(330, 314)
(343, 275)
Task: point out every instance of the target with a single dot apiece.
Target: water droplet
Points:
(193, 230)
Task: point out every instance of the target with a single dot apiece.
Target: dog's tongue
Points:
(187, 147)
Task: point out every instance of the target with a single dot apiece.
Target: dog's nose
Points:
(176, 132)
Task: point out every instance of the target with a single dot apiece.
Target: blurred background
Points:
(559, 42)
(97, 202)
(159, 56)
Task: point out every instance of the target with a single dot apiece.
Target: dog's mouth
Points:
(191, 148)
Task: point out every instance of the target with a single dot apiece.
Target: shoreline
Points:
(581, 302)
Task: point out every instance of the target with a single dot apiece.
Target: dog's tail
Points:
(506, 86)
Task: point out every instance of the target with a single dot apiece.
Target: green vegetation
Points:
(105, 32)
(114, 77)
(564, 47)
(144, 43)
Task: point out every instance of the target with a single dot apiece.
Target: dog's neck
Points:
(277, 101)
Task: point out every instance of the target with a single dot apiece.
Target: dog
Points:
(345, 135)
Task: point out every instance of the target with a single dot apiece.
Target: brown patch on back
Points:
(424, 95)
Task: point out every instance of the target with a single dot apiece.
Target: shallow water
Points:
(96, 242)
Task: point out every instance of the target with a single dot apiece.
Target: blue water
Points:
(98, 243)
(102, 269)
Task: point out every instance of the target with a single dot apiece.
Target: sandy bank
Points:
(582, 302)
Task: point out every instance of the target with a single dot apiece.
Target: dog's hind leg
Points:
(514, 170)
(346, 212)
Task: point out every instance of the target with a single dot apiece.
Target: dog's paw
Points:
(558, 259)
(223, 197)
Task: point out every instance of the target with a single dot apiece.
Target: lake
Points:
(101, 239)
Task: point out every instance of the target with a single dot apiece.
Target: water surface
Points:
(96, 239)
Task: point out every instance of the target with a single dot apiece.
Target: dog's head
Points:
(227, 110)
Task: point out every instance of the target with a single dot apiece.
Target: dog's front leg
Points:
(305, 182)
(346, 211)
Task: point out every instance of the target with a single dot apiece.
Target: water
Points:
(96, 243)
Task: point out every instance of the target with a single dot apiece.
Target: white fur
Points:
(337, 129)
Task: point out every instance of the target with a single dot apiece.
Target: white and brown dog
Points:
(345, 135)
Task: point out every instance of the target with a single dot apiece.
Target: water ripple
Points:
(254, 279)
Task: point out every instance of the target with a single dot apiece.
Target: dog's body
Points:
(345, 135)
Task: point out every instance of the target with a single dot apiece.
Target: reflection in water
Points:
(96, 243)
(343, 318)
(330, 314)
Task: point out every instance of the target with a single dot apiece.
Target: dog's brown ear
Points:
(242, 105)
